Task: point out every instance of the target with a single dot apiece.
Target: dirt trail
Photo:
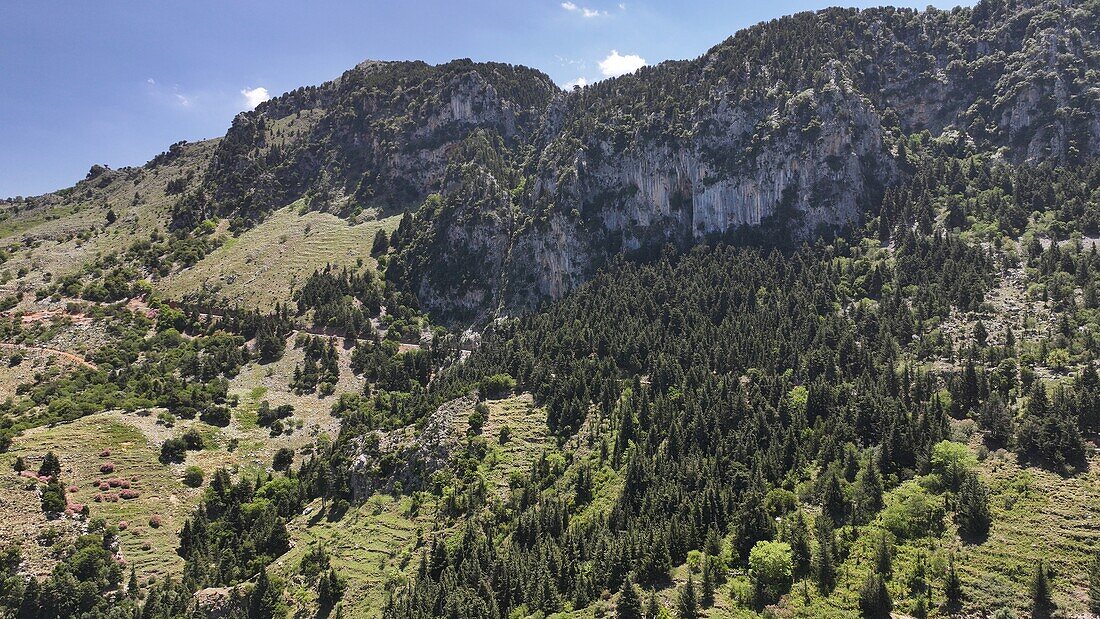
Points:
(68, 356)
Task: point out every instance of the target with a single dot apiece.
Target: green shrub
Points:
(496, 386)
(911, 512)
(173, 450)
(193, 476)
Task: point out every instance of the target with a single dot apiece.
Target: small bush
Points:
(173, 450)
(107, 467)
(193, 440)
(154, 521)
(129, 494)
(193, 476)
(283, 459)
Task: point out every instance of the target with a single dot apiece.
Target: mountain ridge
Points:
(796, 124)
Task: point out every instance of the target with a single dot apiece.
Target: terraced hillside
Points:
(264, 264)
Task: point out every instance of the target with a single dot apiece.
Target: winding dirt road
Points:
(67, 356)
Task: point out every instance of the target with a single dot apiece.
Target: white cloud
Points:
(255, 96)
(618, 64)
(151, 82)
(580, 81)
(583, 10)
(183, 100)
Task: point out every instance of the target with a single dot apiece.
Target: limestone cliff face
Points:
(823, 157)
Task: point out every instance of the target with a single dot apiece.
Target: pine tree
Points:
(833, 504)
(653, 608)
(874, 599)
(53, 497)
(629, 605)
(826, 565)
(330, 588)
(920, 608)
(918, 579)
(883, 557)
(708, 583)
(687, 604)
(1042, 600)
(29, 608)
(269, 345)
(381, 243)
(996, 420)
(952, 586)
(133, 589)
(798, 536)
(51, 466)
(868, 492)
(265, 601)
(973, 515)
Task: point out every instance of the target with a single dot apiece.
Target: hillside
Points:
(807, 326)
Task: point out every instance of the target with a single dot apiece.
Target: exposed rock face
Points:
(406, 457)
(824, 159)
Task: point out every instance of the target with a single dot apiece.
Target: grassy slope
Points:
(264, 264)
(47, 239)
(134, 442)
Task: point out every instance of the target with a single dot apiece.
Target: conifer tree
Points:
(874, 599)
(833, 505)
(826, 563)
(688, 604)
(265, 600)
(1042, 600)
(868, 497)
(798, 537)
(708, 583)
(381, 243)
(629, 605)
(653, 607)
(973, 515)
(51, 466)
(884, 563)
(952, 587)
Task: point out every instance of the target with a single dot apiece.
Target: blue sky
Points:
(116, 82)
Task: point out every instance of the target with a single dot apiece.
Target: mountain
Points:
(807, 326)
(793, 124)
